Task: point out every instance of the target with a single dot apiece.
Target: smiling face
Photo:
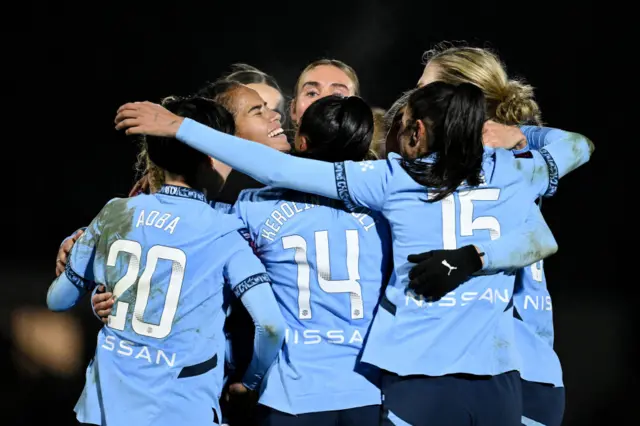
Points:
(256, 122)
(318, 82)
(271, 96)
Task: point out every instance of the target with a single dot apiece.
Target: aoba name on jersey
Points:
(490, 295)
(315, 337)
(143, 353)
(157, 221)
(287, 210)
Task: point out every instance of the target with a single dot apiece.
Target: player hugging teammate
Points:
(363, 278)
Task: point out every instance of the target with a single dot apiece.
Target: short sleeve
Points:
(363, 183)
(243, 270)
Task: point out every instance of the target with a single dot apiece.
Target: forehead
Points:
(429, 75)
(264, 90)
(245, 98)
(325, 75)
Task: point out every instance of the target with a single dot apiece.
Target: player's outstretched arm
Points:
(531, 243)
(567, 150)
(251, 284)
(264, 164)
(269, 335)
(77, 277)
(64, 292)
(258, 161)
(65, 249)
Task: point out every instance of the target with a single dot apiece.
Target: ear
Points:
(302, 143)
(421, 131)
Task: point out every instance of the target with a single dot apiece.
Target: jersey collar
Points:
(182, 192)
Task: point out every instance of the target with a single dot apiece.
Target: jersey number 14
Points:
(351, 285)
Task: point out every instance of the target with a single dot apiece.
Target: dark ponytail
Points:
(179, 159)
(337, 129)
(454, 117)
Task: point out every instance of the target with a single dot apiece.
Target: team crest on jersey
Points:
(366, 165)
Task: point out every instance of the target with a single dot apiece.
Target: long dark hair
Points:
(454, 117)
(179, 159)
(337, 129)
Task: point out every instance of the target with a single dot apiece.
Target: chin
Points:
(282, 146)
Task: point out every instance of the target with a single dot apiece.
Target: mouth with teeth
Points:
(277, 133)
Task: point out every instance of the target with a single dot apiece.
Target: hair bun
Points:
(518, 105)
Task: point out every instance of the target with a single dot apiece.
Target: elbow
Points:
(590, 147)
(583, 147)
(549, 245)
(275, 330)
(53, 304)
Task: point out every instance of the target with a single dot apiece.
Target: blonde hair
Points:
(509, 101)
(145, 167)
(350, 72)
(378, 142)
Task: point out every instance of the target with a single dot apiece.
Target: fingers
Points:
(131, 106)
(422, 267)
(61, 258)
(417, 258)
(102, 303)
(103, 309)
(128, 113)
(125, 123)
(77, 235)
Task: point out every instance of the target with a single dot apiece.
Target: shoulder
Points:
(221, 224)
(261, 194)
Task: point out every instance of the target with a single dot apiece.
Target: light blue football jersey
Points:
(328, 266)
(166, 258)
(534, 331)
(469, 331)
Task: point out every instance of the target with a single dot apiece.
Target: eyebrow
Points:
(316, 85)
(256, 107)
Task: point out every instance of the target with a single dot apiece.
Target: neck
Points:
(222, 169)
(175, 182)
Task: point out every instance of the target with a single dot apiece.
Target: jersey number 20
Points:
(134, 249)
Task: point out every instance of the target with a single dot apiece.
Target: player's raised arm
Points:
(251, 284)
(531, 243)
(266, 165)
(563, 151)
(77, 279)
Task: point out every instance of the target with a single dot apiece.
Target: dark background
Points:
(68, 66)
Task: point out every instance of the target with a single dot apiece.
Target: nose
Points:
(274, 116)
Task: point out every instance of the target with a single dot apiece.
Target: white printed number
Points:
(351, 285)
(536, 271)
(134, 249)
(467, 223)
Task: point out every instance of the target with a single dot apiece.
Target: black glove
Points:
(440, 271)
